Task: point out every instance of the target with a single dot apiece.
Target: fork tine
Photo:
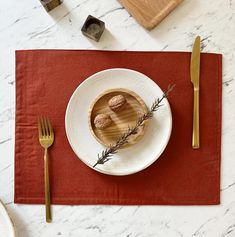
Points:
(46, 126)
(43, 127)
(39, 127)
(50, 127)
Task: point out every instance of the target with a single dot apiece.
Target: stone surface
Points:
(26, 25)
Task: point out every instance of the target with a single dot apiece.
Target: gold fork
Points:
(46, 139)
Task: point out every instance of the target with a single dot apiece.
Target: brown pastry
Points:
(102, 121)
(117, 102)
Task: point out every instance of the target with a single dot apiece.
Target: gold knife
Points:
(195, 75)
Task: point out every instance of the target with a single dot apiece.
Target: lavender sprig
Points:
(123, 140)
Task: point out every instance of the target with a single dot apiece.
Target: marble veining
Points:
(26, 25)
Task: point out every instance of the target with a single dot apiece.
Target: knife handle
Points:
(195, 138)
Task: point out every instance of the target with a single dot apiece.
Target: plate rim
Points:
(12, 226)
(96, 168)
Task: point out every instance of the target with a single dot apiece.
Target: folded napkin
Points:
(45, 81)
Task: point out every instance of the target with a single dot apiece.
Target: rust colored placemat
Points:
(45, 80)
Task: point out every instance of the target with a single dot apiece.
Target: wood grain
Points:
(128, 116)
(150, 13)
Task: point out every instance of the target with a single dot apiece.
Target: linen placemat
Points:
(45, 81)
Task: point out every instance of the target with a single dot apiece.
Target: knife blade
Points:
(195, 76)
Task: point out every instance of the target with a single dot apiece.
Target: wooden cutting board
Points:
(150, 13)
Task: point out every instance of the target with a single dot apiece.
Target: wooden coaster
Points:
(121, 120)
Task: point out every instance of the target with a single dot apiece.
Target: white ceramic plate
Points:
(129, 160)
(6, 225)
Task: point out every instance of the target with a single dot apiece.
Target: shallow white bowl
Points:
(129, 160)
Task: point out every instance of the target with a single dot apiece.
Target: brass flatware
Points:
(46, 139)
(195, 75)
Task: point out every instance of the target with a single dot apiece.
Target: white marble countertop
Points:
(26, 25)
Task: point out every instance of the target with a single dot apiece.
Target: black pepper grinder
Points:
(50, 4)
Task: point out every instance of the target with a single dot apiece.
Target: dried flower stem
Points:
(107, 153)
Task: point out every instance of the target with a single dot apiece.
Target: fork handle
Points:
(47, 187)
